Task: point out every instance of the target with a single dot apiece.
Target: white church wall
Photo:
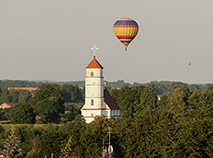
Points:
(92, 91)
(96, 72)
(89, 115)
(93, 81)
(97, 102)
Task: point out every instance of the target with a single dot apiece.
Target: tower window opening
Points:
(92, 74)
(92, 102)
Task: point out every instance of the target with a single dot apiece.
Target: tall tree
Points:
(195, 98)
(12, 144)
(125, 99)
(163, 102)
(179, 99)
(22, 113)
(148, 99)
(207, 96)
(48, 104)
(51, 142)
(72, 93)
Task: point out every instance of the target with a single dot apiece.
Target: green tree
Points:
(195, 98)
(4, 96)
(35, 152)
(148, 99)
(24, 96)
(179, 99)
(72, 110)
(207, 96)
(48, 104)
(13, 95)
(125, 99)
(193, 137)
(72, 93)
(26, 134)
(48, 110)
(163, 102)
(12, 144)
(76, 131)
(22, 113)
(51, 142)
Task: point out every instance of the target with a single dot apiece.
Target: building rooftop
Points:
(94, 64)
(9, 103)
(110, 101)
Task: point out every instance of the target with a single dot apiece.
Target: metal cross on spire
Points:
(94, 49)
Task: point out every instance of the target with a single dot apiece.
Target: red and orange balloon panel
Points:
(125, 30)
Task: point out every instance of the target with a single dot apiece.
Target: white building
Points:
(98, 101)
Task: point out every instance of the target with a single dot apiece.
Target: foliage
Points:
(12, 144)
(72, 93)
(179, 99)
(148, 99)
(15, 96)
(5, 114)
(163, 102)
(50, 142)
(177, 125)
(22, 113)
(48, 104)
(160, 87)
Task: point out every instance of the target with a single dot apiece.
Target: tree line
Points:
(51, 104)
(160, 87)
(177, 125)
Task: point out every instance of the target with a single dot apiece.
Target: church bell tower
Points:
(94, 91)
(98, 101)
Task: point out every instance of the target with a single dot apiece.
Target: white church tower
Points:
(98, 101)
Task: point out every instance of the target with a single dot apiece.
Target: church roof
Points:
(94, 64)
(110, 101)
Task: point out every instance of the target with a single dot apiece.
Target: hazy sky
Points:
(51, 40)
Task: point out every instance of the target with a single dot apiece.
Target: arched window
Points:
(92, 74)
(92, 102)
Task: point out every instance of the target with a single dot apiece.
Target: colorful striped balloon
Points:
(125, 30)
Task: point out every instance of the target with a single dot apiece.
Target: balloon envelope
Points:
(125, 30)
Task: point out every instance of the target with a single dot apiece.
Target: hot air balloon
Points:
(125, 30)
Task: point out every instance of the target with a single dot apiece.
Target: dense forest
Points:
(180, 124)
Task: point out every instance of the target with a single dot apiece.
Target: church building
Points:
(98, 101)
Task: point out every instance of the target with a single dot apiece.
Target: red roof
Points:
(9, 103)
(94, 64)
(110, 101)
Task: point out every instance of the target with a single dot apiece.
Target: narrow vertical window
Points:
(92, 102)
(92, 74)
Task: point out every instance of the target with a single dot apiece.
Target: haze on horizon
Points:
(51, 40)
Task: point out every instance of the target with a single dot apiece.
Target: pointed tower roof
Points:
(94, 64)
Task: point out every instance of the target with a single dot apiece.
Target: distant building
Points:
(98, 101)
(31, 89)
(7, 105)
